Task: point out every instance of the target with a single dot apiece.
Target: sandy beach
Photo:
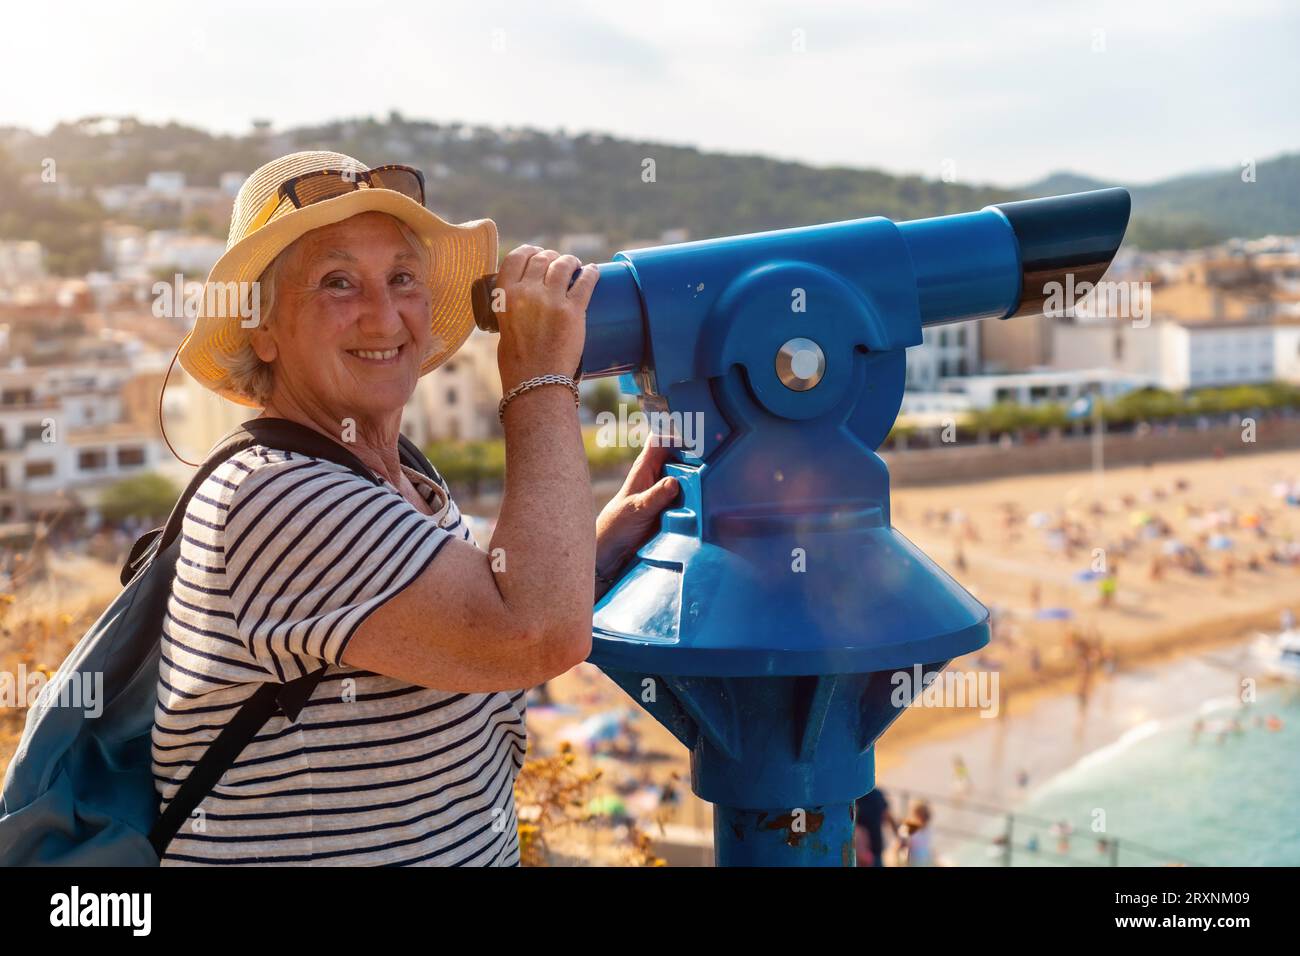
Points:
(1007, 760)
(1077, 669)
(1052, 624)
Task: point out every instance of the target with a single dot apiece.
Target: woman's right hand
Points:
(502, 628)
(543, 321)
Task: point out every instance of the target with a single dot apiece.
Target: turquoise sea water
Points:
(1231, 802)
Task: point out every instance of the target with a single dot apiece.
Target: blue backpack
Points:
(80, 791)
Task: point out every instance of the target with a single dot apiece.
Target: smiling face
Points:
(351, 321)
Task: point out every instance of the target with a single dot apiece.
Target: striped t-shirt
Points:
(282, 557)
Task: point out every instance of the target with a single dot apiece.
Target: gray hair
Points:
(244, 372)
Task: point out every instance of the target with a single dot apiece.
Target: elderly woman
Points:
(407, 750)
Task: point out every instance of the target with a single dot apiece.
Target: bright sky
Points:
(1005, 91)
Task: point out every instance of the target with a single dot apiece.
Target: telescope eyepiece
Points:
(480, 294)
(1075, 234)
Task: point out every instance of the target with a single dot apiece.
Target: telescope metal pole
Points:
(811, 836)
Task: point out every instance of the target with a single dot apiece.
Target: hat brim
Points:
(461, 254)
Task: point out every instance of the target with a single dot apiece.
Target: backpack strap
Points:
(287, 698)
(153, 543)
(273, 433)
(290, 697)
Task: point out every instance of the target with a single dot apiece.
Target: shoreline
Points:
(920, 724)
(1051, 734)
(1021, 544)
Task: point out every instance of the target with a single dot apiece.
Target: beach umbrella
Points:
(606, 725)
(1054, 614)
(1219, 542)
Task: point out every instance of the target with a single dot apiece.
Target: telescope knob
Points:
(480, 295)
(800, 364)
(485, 317)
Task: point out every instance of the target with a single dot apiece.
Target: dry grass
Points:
(553, 794)
(34, 641)
(41, 624)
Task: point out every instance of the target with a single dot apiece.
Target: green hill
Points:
(537, 183)
(1199, 208)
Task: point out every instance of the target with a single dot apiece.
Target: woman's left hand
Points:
(631, 515)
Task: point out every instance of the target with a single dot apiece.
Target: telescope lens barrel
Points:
(1000, 262)
(965, 266)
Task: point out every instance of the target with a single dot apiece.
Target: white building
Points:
(124, 249)
(140, 256)
(118, 197)
(167, 183)
(585, 245)
(933, 409)
(1206, 354)
(1178, 355)
(63, 439)
(193, 255)
(1286, 351)
(946, 351)
(1054, 386)
(166, 198)
(459, 399)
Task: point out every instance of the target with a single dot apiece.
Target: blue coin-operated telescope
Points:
(764, 623)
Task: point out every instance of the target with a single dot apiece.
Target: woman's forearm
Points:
(543, 549)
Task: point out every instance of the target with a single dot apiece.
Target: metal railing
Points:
(1006, 833)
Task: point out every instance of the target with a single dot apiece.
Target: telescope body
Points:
(767, 622)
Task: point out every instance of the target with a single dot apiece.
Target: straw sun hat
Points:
(461, 253)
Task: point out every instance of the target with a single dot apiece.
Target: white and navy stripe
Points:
(282, 558)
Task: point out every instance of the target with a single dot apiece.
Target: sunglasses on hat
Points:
(322, 184)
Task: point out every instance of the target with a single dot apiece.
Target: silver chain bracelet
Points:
(535, 382)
